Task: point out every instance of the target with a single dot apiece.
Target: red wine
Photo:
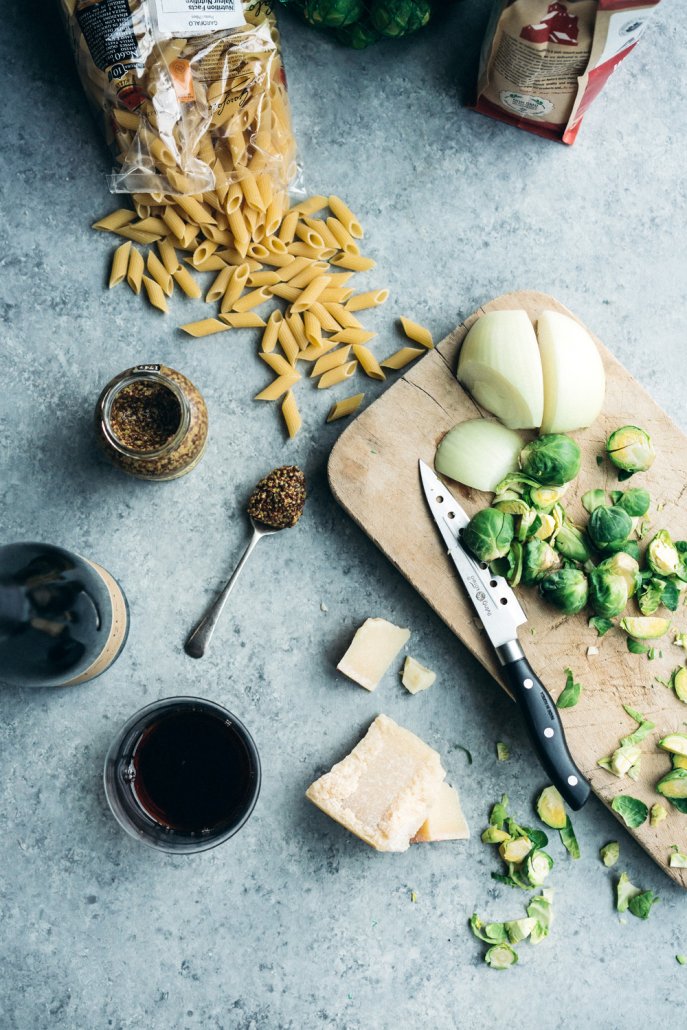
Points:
(192, 771)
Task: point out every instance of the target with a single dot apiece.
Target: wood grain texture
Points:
(373, 473)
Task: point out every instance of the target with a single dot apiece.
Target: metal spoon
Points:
(200, 637)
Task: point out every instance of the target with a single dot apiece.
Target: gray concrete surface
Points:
(294, 924)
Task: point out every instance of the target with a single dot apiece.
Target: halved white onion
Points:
(574, 378)
(478, 453)
(500, 365)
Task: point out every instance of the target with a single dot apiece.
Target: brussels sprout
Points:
(552, 460)
(396, 18)
(623, 564)
(679, 761)
(519, 929)
(332, 13)
(493, 835)
(551, 808)
(515, 850)
(622, 760)
(538, 559)
(630, 547)
(630, 449)
(547, 527)
(359, 35)
(540, 908)
(609, 527)
(528, 524)
(657, 814)
(631, 810)
(593, 499)
(501, 956)
(607, 593)
(662, 555)
(571, 543)
(673, 786)
(636, 502)
(511, 503)
(566, 589)
(544, 497)
(645, 628)
(489, 534)
(499, 812)
(537, 867)
(610, 853)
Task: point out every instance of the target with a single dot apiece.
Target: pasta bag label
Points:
(182, 80)
(544, 61)
(197, 17)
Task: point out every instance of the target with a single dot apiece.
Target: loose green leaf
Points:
(490, 933)
(610, 853)
(631, 810)
(644, 728)
(636, 646)
(593, 499)
(682, 959)
(519, 929)
(538, 837)
(624, 892)
(502, 751)
(677, 860)
(657, 814)
(602, 625)
(570, 694)
(570, 840)
(501, 956)
(468, 754)
(641, 904)
(499, 812)
(671, 596)
(540, 908)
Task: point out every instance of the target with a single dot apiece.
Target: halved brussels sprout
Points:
(545, 497)
(609, 526)
(515, 850)
(623, 564)
(657, 813)
(662, 554)
(610, 853)
(547, 527)
(630, 449)
(673, 785)
(676, 743)
(537, 867)
(511, 503)
(519, 929)
(501, 956)
(489, 534)
(538, 559)
(552, 460)
(679, 683)
(607, 593)
(641, 627)
(493, 835)
(571, 543)
(566, 589)
(551, 808)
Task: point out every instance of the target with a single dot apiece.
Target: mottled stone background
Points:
(294, 924)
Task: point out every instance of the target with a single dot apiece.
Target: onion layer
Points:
(478, 453)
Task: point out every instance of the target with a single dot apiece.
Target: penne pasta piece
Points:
(155, 294)
(217, 235)
(336, 375)
(345, 407)
(211, 264)
(291, 414)
(368, 361)
(328, 323)
(402, 357)
(258, 251)
(243, 320)
(278, 387)
(232, 257)
(336, 295)
(174, 222)
(311, 205)
(310, 294)
(235, 287)
(312, 353)
(271, 333)
(285, 290)
(263, 279)
(313, 329)
(196, 212)
(120, 264)
(371, 299)
(168, 255)
(330, 361)
(273, 216)
(219, 286)
(295, 324)
(251, 191)
(337, 279)
(418, 333)
(356, 262)
(345, 319)
(183, 278)
(136, 236)
(277, 363)
(203, 251)
(252, 299)
(205, 327)
(233, 199)
(287, 229)
(134, 273)
(294, 269)
(115, 220)
(127, 119)
(288, 342)
(155, 225)
(323, 231)
(313, 270)
(309, 236)
(157, 271)
(303, 250)
(278, 260)
(345, 241)
(350, 335)
(264, 184)
(346, 217)
(276, 246)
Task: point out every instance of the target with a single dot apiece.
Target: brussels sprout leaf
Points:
(624, 891)
(570, 694)
(570, 840)
(641, 904)
(601, 625)
(610, 853)
(631, 810)
(502, 751)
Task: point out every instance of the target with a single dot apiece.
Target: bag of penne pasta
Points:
(191, 94)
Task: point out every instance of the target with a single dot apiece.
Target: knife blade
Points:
(501, 614)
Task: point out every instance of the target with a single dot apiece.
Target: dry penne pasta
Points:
(343, 238)
(418, 333)
(195, 211)
(252, 299)
(288, 342)
(313, 270)
(336, 375)
(157, 271)
(136, 236)
(205, 327)
(277, 363)
(401, 358)
(157, 226)
(312, 353)
(175, 223)
(291, 414)
(349, 335)
(305, 250)
(323, 231)
(243, 320)
(219, 285)
(235, 287)
(287, 229)
(343, 212)
(345, 319)
(309, 236)
(263, 279)
(115, 220)
(313, 329)
(120, 264)
(271, 333)
(285, 290)
(310, 294)
(336, 295)
(356, 262)
(371, 299)
(295, 324)
(134, 273)
(278, 260)
(155, 294)
(203, 251)
(329, 324)
(168, 255)
(368, 361)
(278, 387)
(211, 264)
(329, 361)
(183, 278)
(345, 407)
(311, 205)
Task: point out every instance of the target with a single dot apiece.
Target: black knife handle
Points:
(546, 732)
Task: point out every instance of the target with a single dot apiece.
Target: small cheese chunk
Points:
(416, 677)
(372, 650)
(384, 790)
(445, 820)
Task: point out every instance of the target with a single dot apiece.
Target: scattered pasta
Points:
(120, 264)
(291, 414)
(345, 407)
(418, 333)
(401, 357)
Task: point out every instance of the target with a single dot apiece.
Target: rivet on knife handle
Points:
(544, 725)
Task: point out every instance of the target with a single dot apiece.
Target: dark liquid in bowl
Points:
(192, 771)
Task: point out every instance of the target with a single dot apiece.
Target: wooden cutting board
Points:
(373, 473)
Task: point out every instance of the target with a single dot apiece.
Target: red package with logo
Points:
(544, 61)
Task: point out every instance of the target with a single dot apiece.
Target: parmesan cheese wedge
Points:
(416, 677)
(385, 789)
(445, 820)
(373, 648)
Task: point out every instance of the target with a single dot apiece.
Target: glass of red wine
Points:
(182, 775)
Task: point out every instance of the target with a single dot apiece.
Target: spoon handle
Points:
(200, 637)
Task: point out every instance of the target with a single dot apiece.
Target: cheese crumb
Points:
(592, 651)
(416, 677)
(385, 789)
(373, 648)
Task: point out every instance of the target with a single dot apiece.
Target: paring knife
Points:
(500, 614)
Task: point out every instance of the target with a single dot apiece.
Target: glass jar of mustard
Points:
(152, 422)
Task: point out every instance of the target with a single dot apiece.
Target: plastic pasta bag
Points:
(191, 95)
(545, 61)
